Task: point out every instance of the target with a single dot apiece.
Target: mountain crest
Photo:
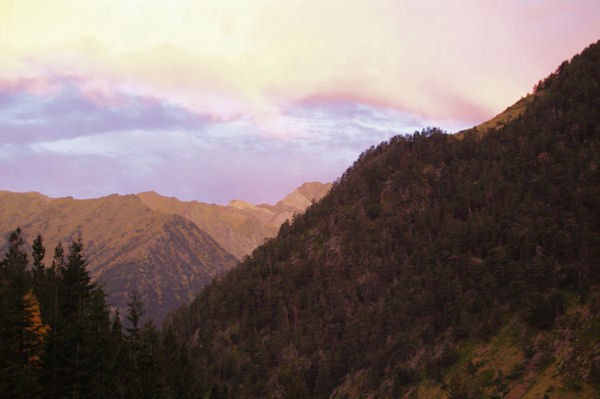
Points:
(239, 204)
(240, 226)
(436, 267)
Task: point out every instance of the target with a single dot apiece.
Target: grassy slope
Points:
(521, 362)
(502, 118)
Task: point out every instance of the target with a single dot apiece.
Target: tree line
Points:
(58, 338)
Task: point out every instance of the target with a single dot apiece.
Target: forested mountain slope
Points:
(435, 267)
(166, 258)
(164, 248)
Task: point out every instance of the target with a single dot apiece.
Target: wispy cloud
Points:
(226, 58)
(143, 144)
(63, 109)
(210, 100)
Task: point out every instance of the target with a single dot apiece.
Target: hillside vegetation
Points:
(58, 340)
(435, 267)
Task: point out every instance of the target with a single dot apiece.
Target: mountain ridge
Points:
(119, 257)
(127, 240)
(437, 266)
(240, 226)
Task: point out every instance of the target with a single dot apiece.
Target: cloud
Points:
(33, 111)
(211, 100)
(213, 161)
(254, 57)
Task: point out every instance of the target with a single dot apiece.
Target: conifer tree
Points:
(15, 377)
(135, 351)
(58, 344)
(38, 252)
(58, 260)
(52, 308)
(15, 263)
(72, 343)
(135, 311)
(97, 338)
(118, 366)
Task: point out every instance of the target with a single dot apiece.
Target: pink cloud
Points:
(550, 8)
(38, 86)
(300, 97)
(59, 107)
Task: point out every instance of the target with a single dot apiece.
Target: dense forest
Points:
(437, 266)
(58, 339)
(427, 242)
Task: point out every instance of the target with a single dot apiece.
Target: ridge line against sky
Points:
(213, 100)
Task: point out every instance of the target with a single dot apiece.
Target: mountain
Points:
(166, 258)
(240, 226)
(164, 248)
(437, 266)
(59, 338)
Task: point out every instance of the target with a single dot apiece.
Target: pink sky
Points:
(220, 100)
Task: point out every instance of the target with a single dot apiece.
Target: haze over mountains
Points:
(163, 248)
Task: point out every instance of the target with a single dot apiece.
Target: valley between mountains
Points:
(163, 248)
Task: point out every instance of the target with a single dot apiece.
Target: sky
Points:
(222, 99)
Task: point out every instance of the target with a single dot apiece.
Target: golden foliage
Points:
(34, 330)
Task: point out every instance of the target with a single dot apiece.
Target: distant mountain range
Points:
(240, 226)
(164, 248)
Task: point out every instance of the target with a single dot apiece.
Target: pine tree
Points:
(15, 263)
(58, 344)
(16, 378)
(72, 374)
(97, 337)
(58, 260)
(51, 307)
(135, 311)
(43, 288)
(170, 362)
(149, 360)
(118, 366)
(134, 346)
(38, 269)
